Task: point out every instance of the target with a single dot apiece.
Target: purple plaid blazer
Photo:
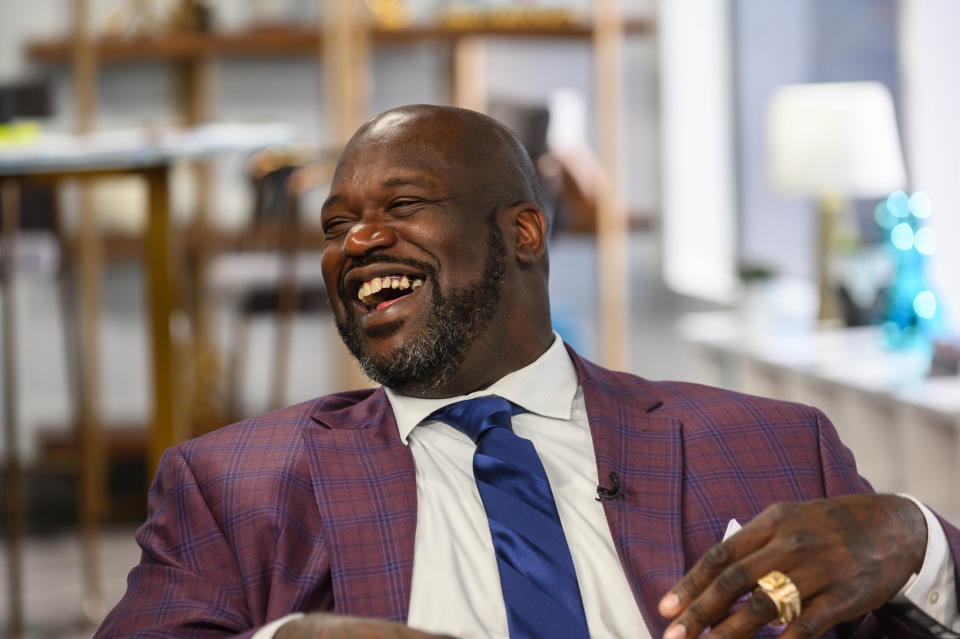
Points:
(313, 507)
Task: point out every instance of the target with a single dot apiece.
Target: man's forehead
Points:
(390, 125)
(379, 167)
(409, 136)
(404, 145)
(448, 147)
(395, 161)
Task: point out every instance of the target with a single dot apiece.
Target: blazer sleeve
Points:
(840, 477)
(188, 582)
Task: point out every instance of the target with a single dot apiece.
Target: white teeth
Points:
(376, 284)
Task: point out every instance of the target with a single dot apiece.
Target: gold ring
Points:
(783, 593)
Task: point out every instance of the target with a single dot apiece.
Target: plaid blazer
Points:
(313, 507)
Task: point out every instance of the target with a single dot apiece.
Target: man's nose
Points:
(368, 236)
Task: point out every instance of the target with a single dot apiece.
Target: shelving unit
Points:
(286, 41)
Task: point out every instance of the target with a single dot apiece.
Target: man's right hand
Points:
(327, 626)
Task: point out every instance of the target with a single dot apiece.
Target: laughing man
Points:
(498, 484)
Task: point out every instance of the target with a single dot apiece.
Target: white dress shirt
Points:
(456, 582)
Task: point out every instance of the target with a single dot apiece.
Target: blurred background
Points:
(762, 196)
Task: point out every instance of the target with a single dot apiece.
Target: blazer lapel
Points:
(646, 453)
(365, 487)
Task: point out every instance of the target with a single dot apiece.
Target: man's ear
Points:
(531, 229)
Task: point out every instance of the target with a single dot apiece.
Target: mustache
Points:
(367, 260)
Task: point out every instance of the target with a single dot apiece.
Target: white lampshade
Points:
(834, 139)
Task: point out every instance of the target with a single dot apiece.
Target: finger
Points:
(699, 577)
(713, 563)
(747, 540)
(817, 616)
(717, 598)
(757, 612)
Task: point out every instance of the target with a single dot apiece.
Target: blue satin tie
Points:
(539, 583)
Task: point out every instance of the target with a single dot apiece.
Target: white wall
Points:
(696, 104)
(773, 47)
(930, 68)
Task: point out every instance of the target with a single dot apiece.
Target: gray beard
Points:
(429, 359)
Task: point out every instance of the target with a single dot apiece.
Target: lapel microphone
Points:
(606, 493)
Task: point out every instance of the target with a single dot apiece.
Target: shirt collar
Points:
(546, 387)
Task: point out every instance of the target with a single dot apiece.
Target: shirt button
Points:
(933, 596)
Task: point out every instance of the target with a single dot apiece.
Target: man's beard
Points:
(427, 360)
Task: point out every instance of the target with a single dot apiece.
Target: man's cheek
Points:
(329, 269)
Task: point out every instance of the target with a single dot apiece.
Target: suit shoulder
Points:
(263, 455)
(669, 395)
(696, 404)
(278, 430)
(711, 415)
(690, 398)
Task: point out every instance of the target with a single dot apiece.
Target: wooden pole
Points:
(344, 54)
(612, 227)
(195, 89)
(90, 470)
(195, 83)
(344, 58)
(84, 68)
(10, 194)
(469, 73)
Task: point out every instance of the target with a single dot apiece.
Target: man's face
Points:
(413, 257)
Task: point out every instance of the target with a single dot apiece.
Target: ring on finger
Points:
(783, 593)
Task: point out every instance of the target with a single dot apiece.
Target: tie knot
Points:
(476, 416)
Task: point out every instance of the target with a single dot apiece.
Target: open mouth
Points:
(378, 293)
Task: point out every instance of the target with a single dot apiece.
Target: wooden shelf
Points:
(193, 239)
(293, 41)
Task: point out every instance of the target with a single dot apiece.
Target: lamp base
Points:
(830, 208)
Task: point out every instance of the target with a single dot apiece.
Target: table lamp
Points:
(833, 142)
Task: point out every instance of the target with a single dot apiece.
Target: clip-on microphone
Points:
(606, 493)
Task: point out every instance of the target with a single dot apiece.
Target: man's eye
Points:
(335, 226)
(405, 205)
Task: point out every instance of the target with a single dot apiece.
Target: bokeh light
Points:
(925, 240)
(925, 304)
(919, 205)
(899, 204)
(885, 219)
(902, 236)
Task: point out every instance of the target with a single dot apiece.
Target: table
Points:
(902, 426)
(54, 159)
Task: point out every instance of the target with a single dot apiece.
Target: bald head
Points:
(493, 153)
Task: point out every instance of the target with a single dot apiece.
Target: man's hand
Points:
(846, 555)
(328, 626)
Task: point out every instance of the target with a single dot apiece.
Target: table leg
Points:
(161, 293)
